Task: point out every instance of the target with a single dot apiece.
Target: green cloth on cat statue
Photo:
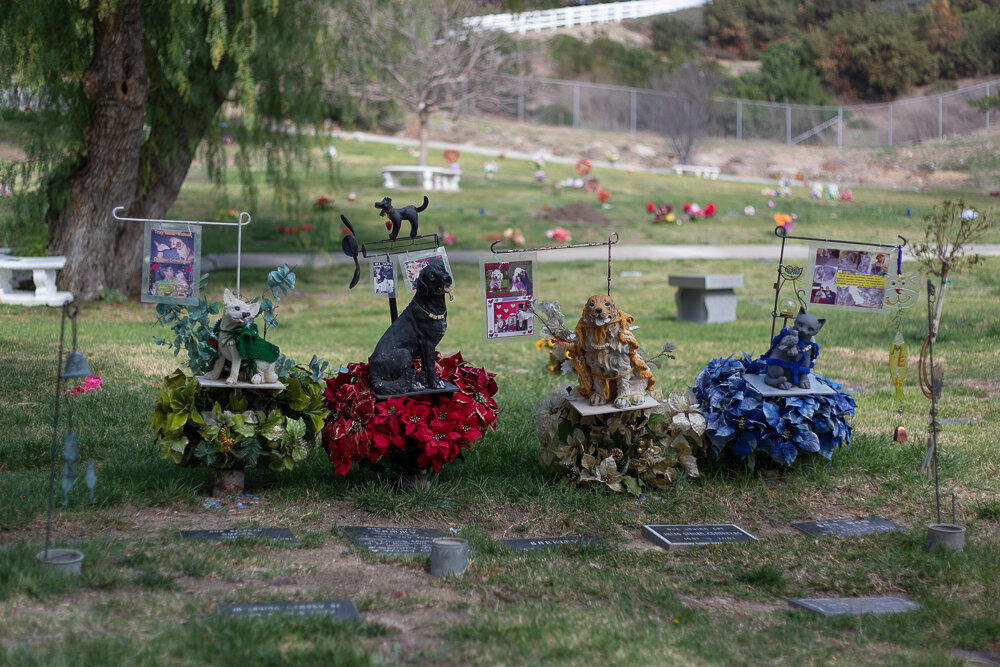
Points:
(251, 346)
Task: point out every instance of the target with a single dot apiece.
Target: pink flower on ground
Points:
(559, 234)
(90, 383)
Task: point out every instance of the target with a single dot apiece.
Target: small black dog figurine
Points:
(416, 332)
(397, 215)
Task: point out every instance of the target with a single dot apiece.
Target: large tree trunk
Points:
(101, 252)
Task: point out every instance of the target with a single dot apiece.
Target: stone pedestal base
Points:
(705, 299)
(228, 483)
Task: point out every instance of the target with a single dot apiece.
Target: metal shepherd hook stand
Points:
(68, 560)
(947, 535)
(613, 239)
(793, 273)
(243, 221)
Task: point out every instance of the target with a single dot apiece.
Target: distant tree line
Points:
(861, 50)
(810, 50)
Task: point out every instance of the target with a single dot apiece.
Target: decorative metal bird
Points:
(350, 247)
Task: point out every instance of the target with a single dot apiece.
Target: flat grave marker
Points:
(848, 527)
(283, 535)
(855, 606)
(532, 543)
(681, 536)
(393, 541)
(339, 609)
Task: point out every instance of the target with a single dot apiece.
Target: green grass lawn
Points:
(146, 597)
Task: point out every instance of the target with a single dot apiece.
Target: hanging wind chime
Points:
(898, 297)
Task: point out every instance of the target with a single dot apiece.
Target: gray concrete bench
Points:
(705, 299)
(426, 178)
(43, 274)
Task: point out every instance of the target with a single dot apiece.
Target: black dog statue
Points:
(416, 332)
(397, 215)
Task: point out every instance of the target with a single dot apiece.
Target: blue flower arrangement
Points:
(740, 420)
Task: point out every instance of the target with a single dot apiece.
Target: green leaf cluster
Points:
(626, 451)
(228, 429)
(192, 328)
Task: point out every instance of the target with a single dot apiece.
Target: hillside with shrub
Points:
(813, 52)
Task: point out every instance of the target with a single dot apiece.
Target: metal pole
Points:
(940, 116)
(935, 425)
(520, 102)
(739, 120)
(788, 124)
(890, 123)
(634, 112)
(576, 105)
(239, 250)
(987, 109)
(55, 429)
(840, 127)
(777, 283)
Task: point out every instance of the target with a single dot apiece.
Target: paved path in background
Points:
(619, 252)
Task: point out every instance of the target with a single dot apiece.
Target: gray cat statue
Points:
(793, 353)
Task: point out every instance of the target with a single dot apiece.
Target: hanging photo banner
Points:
(383, 277)
(411, 263)
(171, 263)
(849, 276)
(507, 287)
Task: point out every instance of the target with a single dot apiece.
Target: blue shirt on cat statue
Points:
(793, 353)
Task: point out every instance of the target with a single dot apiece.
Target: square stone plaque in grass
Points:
(680, 536)
(532, 543)
(283, 535)
(343, 610)
(848, 527)
(393, 541)
(855, 606)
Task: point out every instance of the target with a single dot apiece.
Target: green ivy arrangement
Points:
(225, 429)
(625, 451)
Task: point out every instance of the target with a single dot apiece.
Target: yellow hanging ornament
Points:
(897, 364)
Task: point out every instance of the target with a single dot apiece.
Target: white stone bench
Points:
(705, 299)
(702, 172)
(425, 178)
(43, 274)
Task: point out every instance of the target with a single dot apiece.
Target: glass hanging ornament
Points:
(897, 371)
(787, 307)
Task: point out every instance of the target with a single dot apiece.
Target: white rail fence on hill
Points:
(565, 17)
(633, 110)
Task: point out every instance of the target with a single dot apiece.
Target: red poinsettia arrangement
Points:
(410, 432)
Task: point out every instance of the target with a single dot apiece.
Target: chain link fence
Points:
(633, 110)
